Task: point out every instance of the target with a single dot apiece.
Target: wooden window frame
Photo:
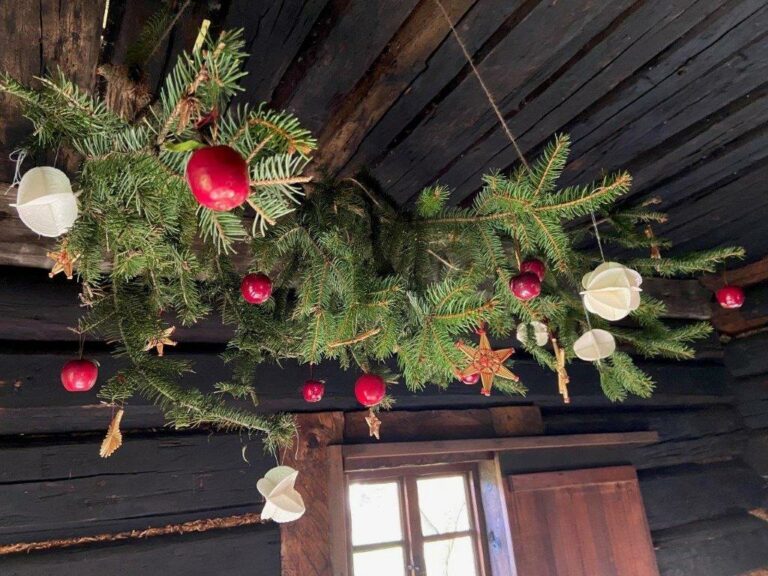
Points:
(413, 539)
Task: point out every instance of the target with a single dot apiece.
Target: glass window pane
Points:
(443, 505)
(375, 511)
(383, 562)
(455, 557)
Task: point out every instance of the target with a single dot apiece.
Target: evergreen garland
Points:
(358, 280)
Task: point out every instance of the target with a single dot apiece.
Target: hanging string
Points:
(17, 157)
(488, 94)
(597, 235)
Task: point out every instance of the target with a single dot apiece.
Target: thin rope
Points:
(17, 156)
(597, 235)
(488, 94)
(168, 29)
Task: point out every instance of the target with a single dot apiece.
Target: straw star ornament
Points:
(487, 362)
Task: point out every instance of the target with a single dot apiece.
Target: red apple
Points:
(525, 286)
(535, 266)
(256, 288)
(370, 389)
(79, 375)
(471, 379)
(218, 177)
(313, 390)
(730, 296)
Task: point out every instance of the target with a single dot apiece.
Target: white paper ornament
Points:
(594, 345)
(611, 290)
(45, 201)
(538, 329)
(283, 502)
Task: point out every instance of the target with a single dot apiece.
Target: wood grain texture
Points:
(580, 523)
(59, 487)
(446, 424)
(305, 544)
(39, 37)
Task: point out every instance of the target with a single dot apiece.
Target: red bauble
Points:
(218, 177)
(730, 297)
(535, 266)
(313, 390)
(79, 375)
(525, 286)
(256, 288)
(471, 379)
(370, 389)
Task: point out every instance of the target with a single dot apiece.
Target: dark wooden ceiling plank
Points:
(274, 32)
(743, 196)
(722, 33)
(567, 26)
(724, 89)
(659, 58)
(724, 128)
(442, 72)
(395, 69)
(337, 58)
(37, 37)
(616, 52)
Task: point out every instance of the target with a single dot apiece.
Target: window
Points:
(408, 523)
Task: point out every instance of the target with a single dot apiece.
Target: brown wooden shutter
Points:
(580, 523)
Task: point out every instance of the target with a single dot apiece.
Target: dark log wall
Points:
(699, 482)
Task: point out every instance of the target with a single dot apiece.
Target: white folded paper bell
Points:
(611, 290)
(538, 329)
(283, 502)
(45, 201)
(594, 345)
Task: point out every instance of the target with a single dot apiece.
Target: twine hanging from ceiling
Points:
(488, 94)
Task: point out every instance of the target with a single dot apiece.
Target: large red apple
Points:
(79, 375)
(370, 389)
(218, 177)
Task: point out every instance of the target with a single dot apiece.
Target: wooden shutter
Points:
(580, 523)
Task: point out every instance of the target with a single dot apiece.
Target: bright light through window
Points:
(413, 525)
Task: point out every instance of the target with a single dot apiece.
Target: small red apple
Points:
(256, 288)
(525, 286)
(313, 390)
(370, 389)
(536, 266)
(79, 375)
(730, 297)
(218, 177)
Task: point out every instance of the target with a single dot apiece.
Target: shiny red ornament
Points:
(730, 297)
(256, 288)
(79, 375)
(370, 389)
(218, 177)
(471, 379)
(525, 286)
(535, 266)
(313, 390)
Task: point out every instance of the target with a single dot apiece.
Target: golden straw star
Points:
(63, 262)
(374, 424)
(487, 362)
(159, 342)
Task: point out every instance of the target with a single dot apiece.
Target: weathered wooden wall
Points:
(697, 481)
